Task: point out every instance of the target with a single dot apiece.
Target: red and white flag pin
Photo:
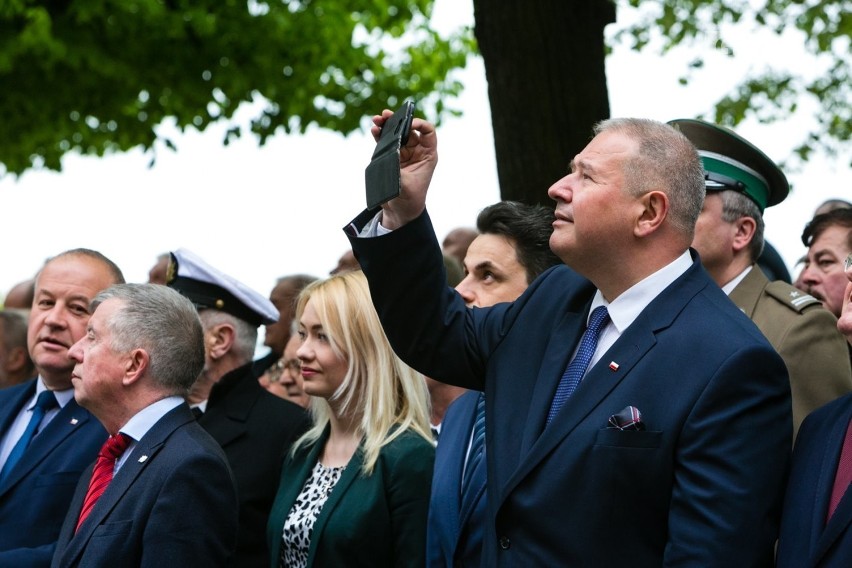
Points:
(613, 366)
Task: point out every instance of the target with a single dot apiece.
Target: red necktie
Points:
(102, 474)
(844, 473)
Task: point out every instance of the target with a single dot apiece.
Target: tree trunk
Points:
(544, 62)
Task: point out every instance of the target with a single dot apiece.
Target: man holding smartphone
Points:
(632, 411)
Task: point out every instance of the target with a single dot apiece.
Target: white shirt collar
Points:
(143, 420)
(729, 287)
(63, 397)
(627, 306)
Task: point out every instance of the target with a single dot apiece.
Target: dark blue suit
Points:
(172, 503)
(700, 486)
(454, 532)
(806, 540)
(34, 497)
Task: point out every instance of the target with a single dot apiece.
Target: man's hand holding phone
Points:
(418, 156)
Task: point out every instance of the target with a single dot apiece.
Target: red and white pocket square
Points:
(628, 419)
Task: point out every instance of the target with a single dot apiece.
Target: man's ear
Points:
(655, 209)
(16, 359)
(219, 339)
(745, 228)
(136, 367)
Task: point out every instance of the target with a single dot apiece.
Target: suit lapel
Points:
(462, 507)
(142, 455)
(597, 384)
(600, 380)
(468, 501)
(352, 471)
(562, 343)
(66, 421)
(12, 405)
(824, 535)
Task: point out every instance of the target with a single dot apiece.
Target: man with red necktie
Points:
(160, 492)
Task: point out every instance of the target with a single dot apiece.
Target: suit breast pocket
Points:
(628, 438)
(110, 530)
(637, 465)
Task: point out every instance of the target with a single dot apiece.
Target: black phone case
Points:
(382, 173)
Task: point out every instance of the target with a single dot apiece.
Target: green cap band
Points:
(755, 186)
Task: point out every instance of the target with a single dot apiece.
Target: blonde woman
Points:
(355, 488)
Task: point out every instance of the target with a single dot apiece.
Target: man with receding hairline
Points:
(161, 492)
(46, 438)
(632, 413)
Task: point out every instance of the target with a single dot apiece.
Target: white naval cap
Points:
(208, 287)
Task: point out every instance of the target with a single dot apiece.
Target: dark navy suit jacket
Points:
(34, 497)
(806, 540)
(172, 503)
(454, 532)
(700, 486)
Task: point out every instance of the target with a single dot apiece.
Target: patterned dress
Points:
(296, 536)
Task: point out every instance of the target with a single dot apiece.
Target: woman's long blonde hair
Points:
(386, 395)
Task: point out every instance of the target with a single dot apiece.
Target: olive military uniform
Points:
(804, 334)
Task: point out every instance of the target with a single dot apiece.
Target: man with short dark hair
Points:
(741, 181)
(511, 250)
(160, 492)
(46, 438)
(829, 240)
(632, 413)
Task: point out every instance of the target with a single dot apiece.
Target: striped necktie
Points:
(102, 473)
(477, 445)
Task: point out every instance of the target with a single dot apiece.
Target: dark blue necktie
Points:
(477, 445)
(45, 402)
(577, 367)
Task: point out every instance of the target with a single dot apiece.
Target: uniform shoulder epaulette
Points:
(790, 296)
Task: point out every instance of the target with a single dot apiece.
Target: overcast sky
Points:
(259, 213)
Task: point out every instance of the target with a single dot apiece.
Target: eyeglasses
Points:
(277, 370)
(848, 263)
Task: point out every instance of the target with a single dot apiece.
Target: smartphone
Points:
(399, 125)
(382, 174)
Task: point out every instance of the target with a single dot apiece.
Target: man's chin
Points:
(55, 377)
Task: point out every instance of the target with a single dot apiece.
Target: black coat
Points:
(255, 429)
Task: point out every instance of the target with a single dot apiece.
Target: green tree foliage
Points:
(776, 92)
(97, 76)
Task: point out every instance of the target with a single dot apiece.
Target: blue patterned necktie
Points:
(577, 367)
(477, 444)
(45, 402)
